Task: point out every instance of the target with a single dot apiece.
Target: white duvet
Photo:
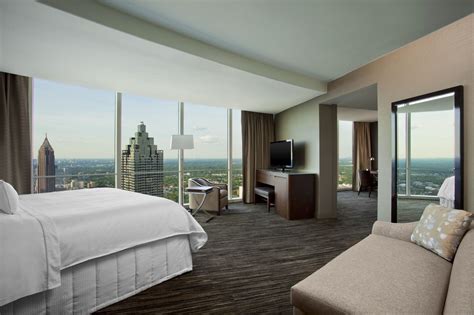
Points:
(91, 223)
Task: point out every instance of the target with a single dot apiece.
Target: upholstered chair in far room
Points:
(215, 201)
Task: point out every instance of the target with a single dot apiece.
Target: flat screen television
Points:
(281, 154)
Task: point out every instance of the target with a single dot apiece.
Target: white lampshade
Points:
(182, 142)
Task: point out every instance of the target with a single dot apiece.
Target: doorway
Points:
(354, 109)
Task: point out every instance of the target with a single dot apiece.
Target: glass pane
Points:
(345, 155)
(237, 178)
(73, 137)
(208, 159)
(148, 164)
(432, 151)
(428, 157)
(401, 150)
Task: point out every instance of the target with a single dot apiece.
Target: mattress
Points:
(97, 283)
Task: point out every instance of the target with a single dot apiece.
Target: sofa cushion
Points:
(264, 191)
(377, 275)
(441, 229)
(460, 299)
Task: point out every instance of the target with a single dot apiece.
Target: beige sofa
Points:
(386, 273)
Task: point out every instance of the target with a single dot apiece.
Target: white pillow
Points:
(9, 200)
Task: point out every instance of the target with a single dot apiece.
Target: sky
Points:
(345, 139)
(79, 123)
(432, 135)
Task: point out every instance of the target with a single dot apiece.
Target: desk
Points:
(294, 192)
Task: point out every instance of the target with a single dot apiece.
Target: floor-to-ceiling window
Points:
(402, 155)
(345, 155)
(88, 130)
(208, 159)
(150, 122)
(237, 173)
(73, 137)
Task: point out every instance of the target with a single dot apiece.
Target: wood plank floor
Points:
(252, 259)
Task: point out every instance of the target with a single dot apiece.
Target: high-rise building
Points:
(142, 165)
(46, 167)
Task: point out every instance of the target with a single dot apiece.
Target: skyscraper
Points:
(142, 165)
(46, 167)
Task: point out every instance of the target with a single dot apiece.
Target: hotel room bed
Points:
(97, 283)
(99, 246)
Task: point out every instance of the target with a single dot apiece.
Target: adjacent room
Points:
(357, 148)
(236, 157)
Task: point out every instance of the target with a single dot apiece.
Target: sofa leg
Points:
(227, 207)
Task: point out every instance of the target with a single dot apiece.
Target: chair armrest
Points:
(220, 186)
(401, 231)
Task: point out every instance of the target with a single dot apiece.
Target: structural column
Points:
(229, 154)
(181, 154)
(328, 143)
(118, 140)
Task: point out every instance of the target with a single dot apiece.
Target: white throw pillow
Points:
(9, 200)
(441, 229)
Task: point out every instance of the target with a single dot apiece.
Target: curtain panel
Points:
(257, 132)
(362, 151)
(15, 131)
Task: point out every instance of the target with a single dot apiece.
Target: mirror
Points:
(427, 151)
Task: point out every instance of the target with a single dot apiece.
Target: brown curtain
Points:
(257, 133)
(362, 151)
(15, 131)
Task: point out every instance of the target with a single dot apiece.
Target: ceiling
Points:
(365, 98)
(262, 55)
(319, 38)
(43, 42)
(355, 114)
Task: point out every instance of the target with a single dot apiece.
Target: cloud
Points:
(208, 139)
(199, 128)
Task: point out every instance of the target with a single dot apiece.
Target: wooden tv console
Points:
(294, 192)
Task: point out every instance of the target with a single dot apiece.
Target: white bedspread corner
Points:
(30, 258)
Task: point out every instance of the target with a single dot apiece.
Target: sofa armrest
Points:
(401, 231)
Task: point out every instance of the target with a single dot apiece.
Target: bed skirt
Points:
(97, 283)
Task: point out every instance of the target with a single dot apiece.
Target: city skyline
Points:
(66, 111)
